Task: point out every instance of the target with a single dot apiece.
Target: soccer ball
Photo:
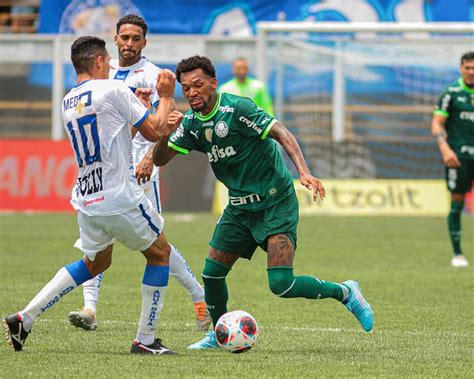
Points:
(236, 331)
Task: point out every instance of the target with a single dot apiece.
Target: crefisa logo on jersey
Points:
(221, 129)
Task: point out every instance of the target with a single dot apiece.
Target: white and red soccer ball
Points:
(236, 331)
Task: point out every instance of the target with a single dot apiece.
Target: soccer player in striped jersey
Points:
(97, 116)
(136, 71)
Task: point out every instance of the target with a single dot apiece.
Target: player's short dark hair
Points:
(469, 56)
(134, 20)
(193, 63)
(84, 51)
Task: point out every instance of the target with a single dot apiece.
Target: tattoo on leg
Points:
(280, 251)
(222, 257)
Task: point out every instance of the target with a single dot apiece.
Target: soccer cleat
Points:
(155, 348)
(208, 342)
(15, 335)
(203, 320)
(83, 318)
(459, 261)
(357, 305)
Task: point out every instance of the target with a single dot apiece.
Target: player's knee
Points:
(280, 280)
(214, 270)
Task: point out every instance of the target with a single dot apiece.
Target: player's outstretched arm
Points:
(151, 127)
(286, 139)
(438, 130)
(162, 154)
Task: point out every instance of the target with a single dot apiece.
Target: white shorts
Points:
(152, 192)
(137, 229)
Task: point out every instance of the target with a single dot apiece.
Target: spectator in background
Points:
(243, 85)
(23, 17)
(453, 129)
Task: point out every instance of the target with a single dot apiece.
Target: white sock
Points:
(91, 290)
(50, 294)
(152, 305)
(180, 269)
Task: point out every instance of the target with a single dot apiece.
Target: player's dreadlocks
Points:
(134, 20)
(193, 63)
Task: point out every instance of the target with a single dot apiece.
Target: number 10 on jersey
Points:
(87, 127)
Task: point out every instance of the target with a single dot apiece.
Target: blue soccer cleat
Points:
(357, 305)
(208, 342)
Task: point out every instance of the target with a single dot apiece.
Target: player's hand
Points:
(165, 84)
(450, 159)
(315, 185)
(174, 120)
(144, 169)
(143, 95)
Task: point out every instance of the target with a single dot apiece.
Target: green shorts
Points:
(460, 179)
(240, 232)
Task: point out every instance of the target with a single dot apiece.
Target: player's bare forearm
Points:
(438, 129)
(286, 139)
(162, 154)
(165, 107)
(289, 143)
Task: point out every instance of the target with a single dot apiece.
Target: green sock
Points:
(215, 288)
(454, 225)
(284, 284)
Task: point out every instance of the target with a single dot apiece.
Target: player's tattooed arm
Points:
(438, 129)
(162, 154)
(286, 139)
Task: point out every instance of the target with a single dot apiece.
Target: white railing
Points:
(268, 32)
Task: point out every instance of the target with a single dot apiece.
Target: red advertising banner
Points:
(36, 175)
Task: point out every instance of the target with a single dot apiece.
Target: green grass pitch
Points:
(423, 307)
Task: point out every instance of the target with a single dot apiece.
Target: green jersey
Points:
(254, 89)
(457, 104)
(234, 137)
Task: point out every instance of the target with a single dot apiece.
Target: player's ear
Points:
(115, 39)
(214, 83)
(144, 42)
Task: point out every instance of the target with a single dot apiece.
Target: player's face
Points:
(240, 69)
(130, 42)
(467, 72)
(199, 89)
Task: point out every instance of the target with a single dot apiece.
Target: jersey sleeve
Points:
(181, 139)
(444, 105)
(129, 106)
(251, 120)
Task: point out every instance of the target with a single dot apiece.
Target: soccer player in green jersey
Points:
(243, 85)
(239, 140)
(453, 129)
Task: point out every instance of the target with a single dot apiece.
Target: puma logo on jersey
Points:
(194, 133)
(219, 153)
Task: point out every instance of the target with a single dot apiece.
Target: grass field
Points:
(423, 308)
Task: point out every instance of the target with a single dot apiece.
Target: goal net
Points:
(360, 97)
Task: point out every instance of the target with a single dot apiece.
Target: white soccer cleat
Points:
(459, 261)
(83, 318)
